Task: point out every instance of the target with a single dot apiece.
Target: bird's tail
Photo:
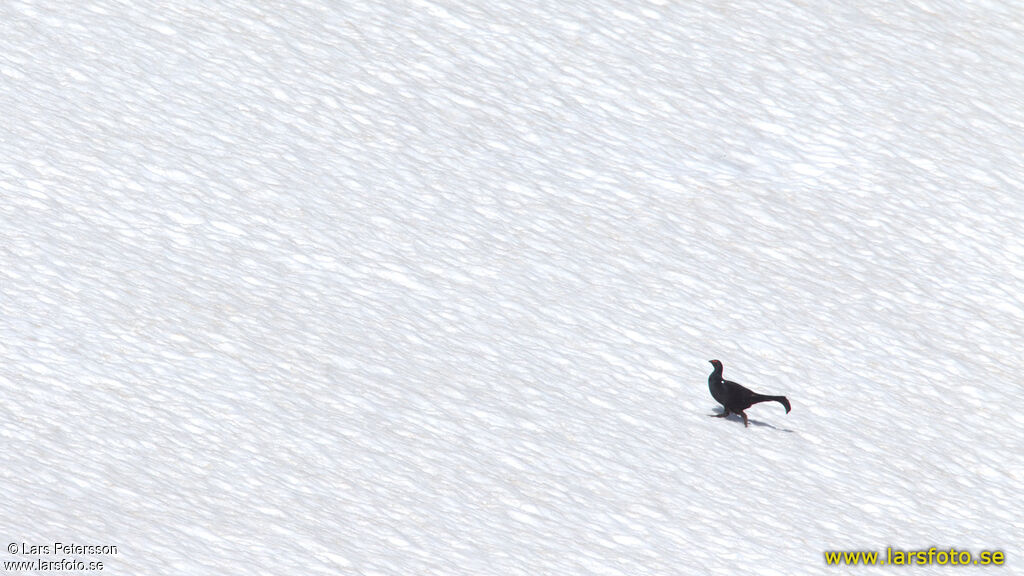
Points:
(762, 398)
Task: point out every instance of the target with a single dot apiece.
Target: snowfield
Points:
(430, 287)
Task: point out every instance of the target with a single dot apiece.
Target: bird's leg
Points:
(745, 425)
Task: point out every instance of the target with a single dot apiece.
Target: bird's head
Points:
(717, 364)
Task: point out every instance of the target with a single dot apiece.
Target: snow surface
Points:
(424, 287)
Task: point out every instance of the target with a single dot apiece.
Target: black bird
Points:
(734, 397)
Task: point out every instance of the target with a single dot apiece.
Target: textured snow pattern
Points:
(429, 287)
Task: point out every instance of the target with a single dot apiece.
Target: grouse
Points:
(734, 397)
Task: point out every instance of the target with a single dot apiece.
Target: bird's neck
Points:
(716, 376)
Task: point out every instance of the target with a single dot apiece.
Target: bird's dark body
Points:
(734, 397)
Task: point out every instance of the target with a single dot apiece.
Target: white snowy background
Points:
(429, 287)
